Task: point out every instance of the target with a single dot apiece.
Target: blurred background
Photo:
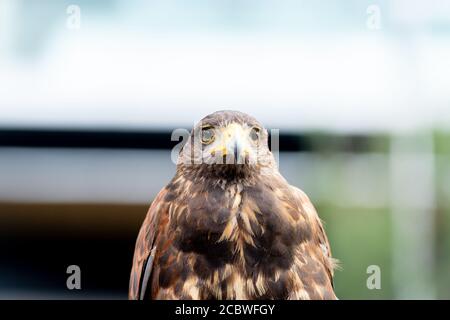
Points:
(90, 92)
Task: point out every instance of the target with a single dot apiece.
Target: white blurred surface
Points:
(297, 65)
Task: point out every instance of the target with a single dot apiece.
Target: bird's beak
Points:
(234, 144)
(237, 149)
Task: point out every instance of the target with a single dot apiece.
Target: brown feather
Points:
(144, 243)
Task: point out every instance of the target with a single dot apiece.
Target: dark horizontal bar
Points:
(152, 140)
(54, 138)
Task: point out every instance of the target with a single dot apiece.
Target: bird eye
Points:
(255, 133)
(207, 135)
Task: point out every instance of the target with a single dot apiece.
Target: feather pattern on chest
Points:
(239, 242)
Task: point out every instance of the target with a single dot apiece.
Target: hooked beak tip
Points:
(236, 151)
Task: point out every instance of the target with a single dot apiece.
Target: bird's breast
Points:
(240, 242)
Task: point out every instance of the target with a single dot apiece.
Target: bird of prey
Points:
(229, 226)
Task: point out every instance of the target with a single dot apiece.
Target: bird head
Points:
(230, 140)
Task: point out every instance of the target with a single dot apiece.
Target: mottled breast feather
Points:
(262, 240)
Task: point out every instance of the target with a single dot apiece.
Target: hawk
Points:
(229, 226)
